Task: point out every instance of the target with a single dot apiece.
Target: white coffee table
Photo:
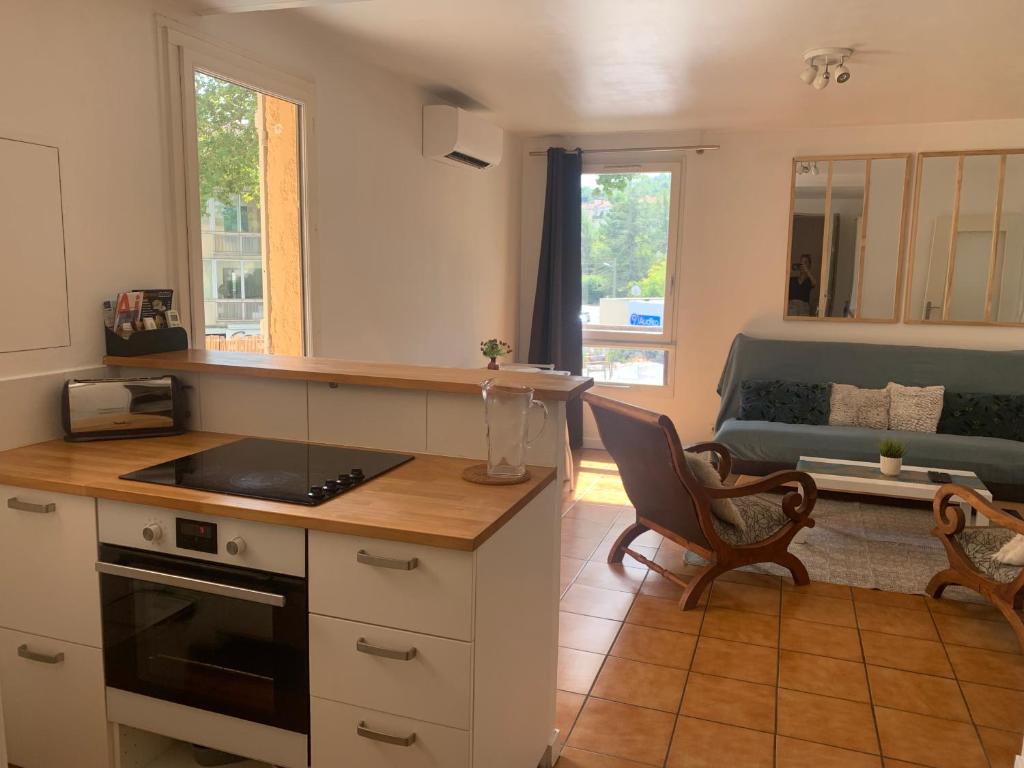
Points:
(864, 477)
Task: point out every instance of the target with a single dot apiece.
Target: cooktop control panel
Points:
(197, 535)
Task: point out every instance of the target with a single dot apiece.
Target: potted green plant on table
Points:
(494, 348)
(890, 457)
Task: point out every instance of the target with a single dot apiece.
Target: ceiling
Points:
(560, 66)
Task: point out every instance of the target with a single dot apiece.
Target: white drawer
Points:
(54, 713)
(274, 548)
(48, 580)
(368, 580)
(336, 742)
(434, 684)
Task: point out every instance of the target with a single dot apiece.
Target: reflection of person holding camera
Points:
(800, 286)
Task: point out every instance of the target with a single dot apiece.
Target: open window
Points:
(629, 233)
(241, 131)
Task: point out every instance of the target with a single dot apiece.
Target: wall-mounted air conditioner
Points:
(457, 137)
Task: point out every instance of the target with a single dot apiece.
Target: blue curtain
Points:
(557, 332)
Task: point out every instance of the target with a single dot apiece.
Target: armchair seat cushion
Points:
(762, 518)
(980, 544)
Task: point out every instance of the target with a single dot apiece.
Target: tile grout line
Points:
(867, 680)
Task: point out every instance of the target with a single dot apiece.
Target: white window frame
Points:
(628, 338)
(182, 53)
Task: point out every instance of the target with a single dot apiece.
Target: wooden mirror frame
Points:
(954, 231)
(825, 262)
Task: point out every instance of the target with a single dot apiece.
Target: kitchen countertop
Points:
(425, 501)
(389, 375)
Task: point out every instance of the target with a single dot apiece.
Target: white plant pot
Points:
(889, 466)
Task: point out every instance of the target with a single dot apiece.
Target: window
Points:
(629, 230)
(242, 133)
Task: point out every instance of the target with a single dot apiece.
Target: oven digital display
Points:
(196, 535)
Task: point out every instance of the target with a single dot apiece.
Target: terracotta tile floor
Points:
(763, 673)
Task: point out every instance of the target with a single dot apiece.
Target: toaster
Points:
(107, 409)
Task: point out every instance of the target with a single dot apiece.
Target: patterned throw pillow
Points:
(914, 409)
(791, 402)
(968, 413)
(852, 406)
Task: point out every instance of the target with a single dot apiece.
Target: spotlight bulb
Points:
(809, 74)
(842, 74)
(822, 79)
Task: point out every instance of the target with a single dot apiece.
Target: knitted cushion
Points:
(707, 475)
(914, 409)
(852, 406)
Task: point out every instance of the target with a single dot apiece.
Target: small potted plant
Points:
(890, 457)
(494, 348)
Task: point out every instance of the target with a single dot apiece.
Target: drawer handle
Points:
(27, 506)
(387, 738)
(43, 658)
(366, 558)
(375, 650)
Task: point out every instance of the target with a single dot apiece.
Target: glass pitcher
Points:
(507, 414)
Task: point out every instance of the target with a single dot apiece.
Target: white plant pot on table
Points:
(890, 466)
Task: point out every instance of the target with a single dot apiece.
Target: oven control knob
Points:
(152, 532)
(236, 546)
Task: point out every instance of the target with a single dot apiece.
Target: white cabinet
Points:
(54, 712)
(34, 291)
(348, 736)
(48, 565)
(392, 583)
(422, 657)
(421, 676)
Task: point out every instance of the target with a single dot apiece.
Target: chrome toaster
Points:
(107, 409)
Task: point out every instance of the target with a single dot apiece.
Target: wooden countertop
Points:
(389, 375)
(425, 501)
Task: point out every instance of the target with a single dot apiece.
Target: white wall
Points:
(418, 260)
(733, 249)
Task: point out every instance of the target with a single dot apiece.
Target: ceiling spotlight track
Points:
(824, 65)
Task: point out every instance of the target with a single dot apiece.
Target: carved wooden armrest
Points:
(950, 518)
(720, 451)
(796, 504)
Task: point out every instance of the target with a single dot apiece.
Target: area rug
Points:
(869, 544)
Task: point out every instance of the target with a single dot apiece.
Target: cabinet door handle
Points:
(27, 506)
(42, 658)
(366, 558)
(375, 650)
(387, 738)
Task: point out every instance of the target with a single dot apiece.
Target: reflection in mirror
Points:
(844, 237)
(1007, 301)
(844, 258)
(807, 236)
(968, 256)
(880, 276)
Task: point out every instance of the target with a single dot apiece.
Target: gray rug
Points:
(870, 544)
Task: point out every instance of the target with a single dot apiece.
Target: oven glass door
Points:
(240, 652)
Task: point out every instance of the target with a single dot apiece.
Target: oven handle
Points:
(196, 585)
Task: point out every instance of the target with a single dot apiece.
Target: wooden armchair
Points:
(670, 499)
(970, 550)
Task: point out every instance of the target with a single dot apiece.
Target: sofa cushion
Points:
(914, 409)
(707, 475)
(790, 402)
(760, 442)
(851, 406)
(970, 413)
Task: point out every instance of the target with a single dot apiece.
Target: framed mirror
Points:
(967, 239)
(844, 258)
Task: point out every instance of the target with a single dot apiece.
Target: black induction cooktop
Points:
(296, 473)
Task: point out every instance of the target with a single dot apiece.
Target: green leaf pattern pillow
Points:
(791, 402)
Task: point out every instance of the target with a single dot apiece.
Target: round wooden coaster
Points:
(477, 473)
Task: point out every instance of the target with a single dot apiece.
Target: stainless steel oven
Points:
(215, 637)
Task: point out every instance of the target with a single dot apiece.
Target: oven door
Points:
(215, 637)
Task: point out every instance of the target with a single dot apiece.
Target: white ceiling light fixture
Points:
(823, 65)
